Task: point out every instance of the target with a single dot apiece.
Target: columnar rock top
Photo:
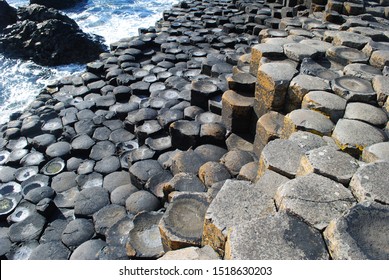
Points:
(232, 129)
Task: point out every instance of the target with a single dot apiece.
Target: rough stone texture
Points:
(381, 87)
(77, 232)
(120, 194)
(370, 182)
(249, 171)
(213, 172)
(359, 234)
(210, 152)
(300, 86)
(329, 162)
(363, 71)
(53, 250)
(307, 141)
(28, 229)
(379, 58)
(375, 152)
(298, 51)
(191, 253)
(116, 179)
(142, 201)
(272, 84)
(281, 156)
(237, 111)
(354, 89)
(88, 250)
(345, 55)
(275, 238)
(308, 120)
(236, 202)
(144, 238)
(367, 113)
(91, 200)
(187, 162)
(235, 159)
(175, 230)
(107, 216)
(142, 171)
(353, 136)
(350, 39)
(184, 182)
(326, 103)
(315, 199)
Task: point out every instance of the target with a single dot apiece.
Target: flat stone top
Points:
(366, 112)
(267, 49)
(275, 238)
(309, 83)
(278, 71)
(240, 100)
(362, 233)
(314, 198)
(311, 121)
(356, 134)
(320, 46)
(370, 182)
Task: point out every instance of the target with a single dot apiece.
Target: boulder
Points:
(7, 14)
(48, 37)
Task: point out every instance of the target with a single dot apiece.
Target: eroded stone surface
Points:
(359, 234)
(315, 199)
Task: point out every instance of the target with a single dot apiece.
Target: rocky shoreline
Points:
(233, 129)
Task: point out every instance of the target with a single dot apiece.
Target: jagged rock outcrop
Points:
(7, 14)
(57, 4)
(48, 37)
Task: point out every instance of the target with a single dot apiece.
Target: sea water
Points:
(21, 80)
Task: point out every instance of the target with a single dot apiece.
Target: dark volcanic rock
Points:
(7, 14)
(57, 4)
(49, 38)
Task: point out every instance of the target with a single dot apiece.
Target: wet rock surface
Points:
(223, 127)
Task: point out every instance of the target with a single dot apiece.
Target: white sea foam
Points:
(21, 81)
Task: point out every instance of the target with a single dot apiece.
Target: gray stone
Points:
(102, 149)
(191, 253)
(275, 238)
(326, 103)
(311, 121)
(376, 152)
(88, 250)
(117, 235)
(315, 199)
(144, 239)
(353, 136)
(187, 162)
(235, 159)
(116, 179)
(184, 182)
(381, 87)
(362, 71)
(106, 217)
(329, 162)
(107, 165)
(64, 181)
(345, 55)
(281, 156)
(379, 58)
(82, 143)
(175, 230)
(359, 234)
(156, 183)
(54, 250)
(210, 152)
(120, 194)
(235, 203)
(142, 171)
(90, 200)
(28, 229)
(320, 46)
(299, 51)
(59, 149)
(307, 141)
(367, 113)
(249, 171)
(53, 231)
(142, 201)
(77, 232)
(370, 182)
(213, 172)
(92, 180)
(354, 89)
(37, 194)
(350, 39)
(235, 141)
(300, 86)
